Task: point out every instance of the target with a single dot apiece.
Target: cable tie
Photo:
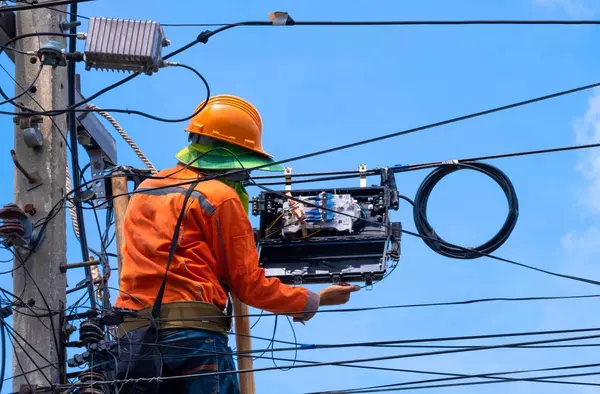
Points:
(308, 347)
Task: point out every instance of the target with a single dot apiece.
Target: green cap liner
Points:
(213, 158)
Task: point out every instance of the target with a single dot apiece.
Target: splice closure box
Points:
(328, 235)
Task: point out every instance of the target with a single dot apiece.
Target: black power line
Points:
(72, 119)
(355, 361)
(387, 136)
(403, 132)
(345, 174)
(539, 379)
(418, 305)
(455, 376)
(395, 23)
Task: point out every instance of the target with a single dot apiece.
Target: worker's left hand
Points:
(337, 294)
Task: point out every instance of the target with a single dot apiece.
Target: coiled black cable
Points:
(434, 241)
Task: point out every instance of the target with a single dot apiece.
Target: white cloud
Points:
(584, 247)
(587, 131)
(573, 8)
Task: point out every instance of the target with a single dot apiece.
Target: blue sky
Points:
(318, 87)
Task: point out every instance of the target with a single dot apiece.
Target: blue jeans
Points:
(196, 352)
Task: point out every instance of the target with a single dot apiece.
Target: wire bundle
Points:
(434, 241)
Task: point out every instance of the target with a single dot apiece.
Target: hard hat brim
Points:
(258, 151)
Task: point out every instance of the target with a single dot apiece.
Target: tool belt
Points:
(178, 315)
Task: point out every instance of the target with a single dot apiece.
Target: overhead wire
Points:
(370, 367)
(420, 166)
(395, 23)
(498, 376)
(58, 128)
(354, 361)
(76, 107)
(18, 359)
(351, 174)
(3, 354)
(72, 126)
(13, 339)
(244, 354)
(395, 134)
(451, 376)
(54, 332)
(417, 305)
(202, 38)
(540, 379)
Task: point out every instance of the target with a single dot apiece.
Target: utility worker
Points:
(214, 254)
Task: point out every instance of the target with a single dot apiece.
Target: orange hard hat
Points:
(231, 119)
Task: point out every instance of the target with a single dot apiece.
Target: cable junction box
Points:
(124, 45)
(326, 235)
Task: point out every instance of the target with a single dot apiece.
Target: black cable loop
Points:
(434, 241)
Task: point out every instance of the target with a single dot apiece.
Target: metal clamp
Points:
(287, 172)
(336, 279)
(24, 120)
(30, 126)
(362, 170)
(368, 281)
(33, 178)
(388, 178)
(98, 180)
(281, 18)
(255, 206)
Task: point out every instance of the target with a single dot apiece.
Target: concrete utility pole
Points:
(39, 346)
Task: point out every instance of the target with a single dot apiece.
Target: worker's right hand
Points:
(337, 294)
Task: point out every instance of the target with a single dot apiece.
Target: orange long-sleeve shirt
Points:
(216, 243)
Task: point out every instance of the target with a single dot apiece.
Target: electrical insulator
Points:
(86, 378)
(91, 331)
